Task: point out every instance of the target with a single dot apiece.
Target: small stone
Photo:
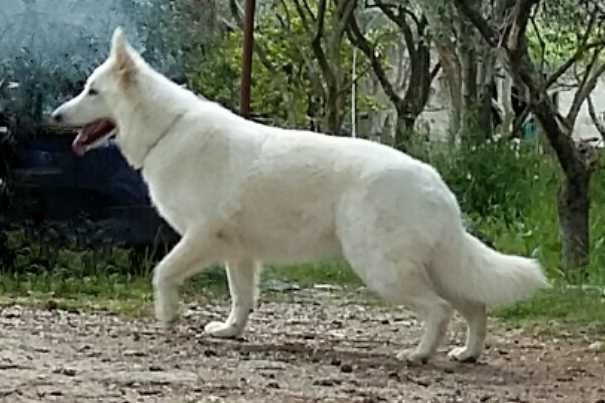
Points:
(150, 392)
(209, 353)
(133, 353)
(346, 368)
(324, 382)
(65, 371)
(597, 346)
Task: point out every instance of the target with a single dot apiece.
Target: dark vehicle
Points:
(99, 195)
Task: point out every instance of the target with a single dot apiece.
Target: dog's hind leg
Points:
(475, 315)
(242, 277)
(390, 255)
(402, 281)
(435, 312)
(191, 254)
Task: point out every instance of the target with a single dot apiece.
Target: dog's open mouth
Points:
(92, 135)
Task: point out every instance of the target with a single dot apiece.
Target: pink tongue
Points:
(79, 145)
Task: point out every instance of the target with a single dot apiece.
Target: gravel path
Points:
(318, 346)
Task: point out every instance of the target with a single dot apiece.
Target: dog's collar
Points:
(161, 136)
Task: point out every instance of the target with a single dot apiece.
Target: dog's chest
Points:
(182, 199)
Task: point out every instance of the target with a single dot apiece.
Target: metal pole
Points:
(354, 95)
(247, 58)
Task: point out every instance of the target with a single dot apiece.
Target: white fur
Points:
(242, 192)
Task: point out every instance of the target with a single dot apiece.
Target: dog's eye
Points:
(92, 92)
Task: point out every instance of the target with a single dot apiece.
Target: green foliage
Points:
(286, 82)
(278, 89)
(217, 73)
(557, 30)
(495, 179)
(508, 196)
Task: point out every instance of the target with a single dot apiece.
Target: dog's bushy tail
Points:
(481, 274)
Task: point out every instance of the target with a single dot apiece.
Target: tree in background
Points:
(302, 75)
(470, 68)
(575, 33)
(410, 102)
(325, 26)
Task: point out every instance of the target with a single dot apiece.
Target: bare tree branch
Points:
(541, 41)
(583, 47)
(436, 69)
(308, 8)
(358, 39)
(487, 32)
(344, 12)
(589, 82)
(598, 122)
(387, 10)
(303, 17)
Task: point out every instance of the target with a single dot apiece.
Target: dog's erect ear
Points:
(122, 54)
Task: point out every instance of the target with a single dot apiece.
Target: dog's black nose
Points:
(57, 117)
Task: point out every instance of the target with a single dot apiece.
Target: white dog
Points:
(241, 192)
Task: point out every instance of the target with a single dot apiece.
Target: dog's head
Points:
(93, 110)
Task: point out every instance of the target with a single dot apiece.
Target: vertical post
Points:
(247, 58)
(354, 95)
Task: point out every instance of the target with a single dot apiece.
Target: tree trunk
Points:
(487, 92)
(505, 85)
(453, 79)
(573, 208)
(404, 129)
(333, 112)
(486, 117)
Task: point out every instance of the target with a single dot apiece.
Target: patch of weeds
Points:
(211, 283)
(560, 307)
(333, 272)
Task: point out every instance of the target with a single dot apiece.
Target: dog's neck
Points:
(144, 123)
(162, 135)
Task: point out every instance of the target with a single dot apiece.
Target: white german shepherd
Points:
(241, 192)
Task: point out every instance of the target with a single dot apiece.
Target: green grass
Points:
(336, 272)
(125, 294)
(561, 307)
(570, 308)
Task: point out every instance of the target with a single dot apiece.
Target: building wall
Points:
(585, 128)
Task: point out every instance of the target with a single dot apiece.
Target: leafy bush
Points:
(508, 195)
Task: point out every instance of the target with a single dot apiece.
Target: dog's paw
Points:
(463, 354)
(167, 312)
(167, 321)
(413, 356)
(223, 330)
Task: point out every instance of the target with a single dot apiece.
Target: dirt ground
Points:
(318, 346)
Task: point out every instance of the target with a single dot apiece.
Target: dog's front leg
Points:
(243, 287)
(191, 254)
